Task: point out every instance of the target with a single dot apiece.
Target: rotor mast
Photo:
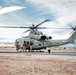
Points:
(34, 29)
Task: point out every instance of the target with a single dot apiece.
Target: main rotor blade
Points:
(56, 28)
(36, 26)
(12, 27)
(51, 28)
(42, 22)
(26, 31)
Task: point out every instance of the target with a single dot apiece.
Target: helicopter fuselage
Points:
(43, 41)
(42, 44)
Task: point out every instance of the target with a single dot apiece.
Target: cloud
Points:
(0, 7)
(10, 33)
(63, 11)
(10, 9)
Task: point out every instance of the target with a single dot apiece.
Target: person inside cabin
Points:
(24, 46)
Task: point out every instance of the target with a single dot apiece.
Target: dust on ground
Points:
(37, 65)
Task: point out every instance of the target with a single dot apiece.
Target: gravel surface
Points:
(21, 64)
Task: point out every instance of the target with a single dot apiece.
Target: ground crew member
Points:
(27, 44)
(31, 46)
(49, 51)
(16, 45)
(24, 46)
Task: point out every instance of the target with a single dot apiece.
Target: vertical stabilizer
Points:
(72, 39)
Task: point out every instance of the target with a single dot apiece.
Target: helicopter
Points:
(39, 40)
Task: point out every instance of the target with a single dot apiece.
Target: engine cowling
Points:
(50, 37)
(46, 37)
(43, 37)
(40, 37)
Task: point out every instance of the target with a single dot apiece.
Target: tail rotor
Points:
(73, 26)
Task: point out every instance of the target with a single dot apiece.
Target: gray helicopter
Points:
(39, 40)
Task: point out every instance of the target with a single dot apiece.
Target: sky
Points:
(62, 14)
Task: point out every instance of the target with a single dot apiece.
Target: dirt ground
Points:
(22, 64)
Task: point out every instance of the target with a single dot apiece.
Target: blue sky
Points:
(62, 13)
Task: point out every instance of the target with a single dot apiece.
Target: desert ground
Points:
(53, 48)
(27, 64)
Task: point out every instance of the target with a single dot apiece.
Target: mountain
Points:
(70, 45)
(6, 43)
